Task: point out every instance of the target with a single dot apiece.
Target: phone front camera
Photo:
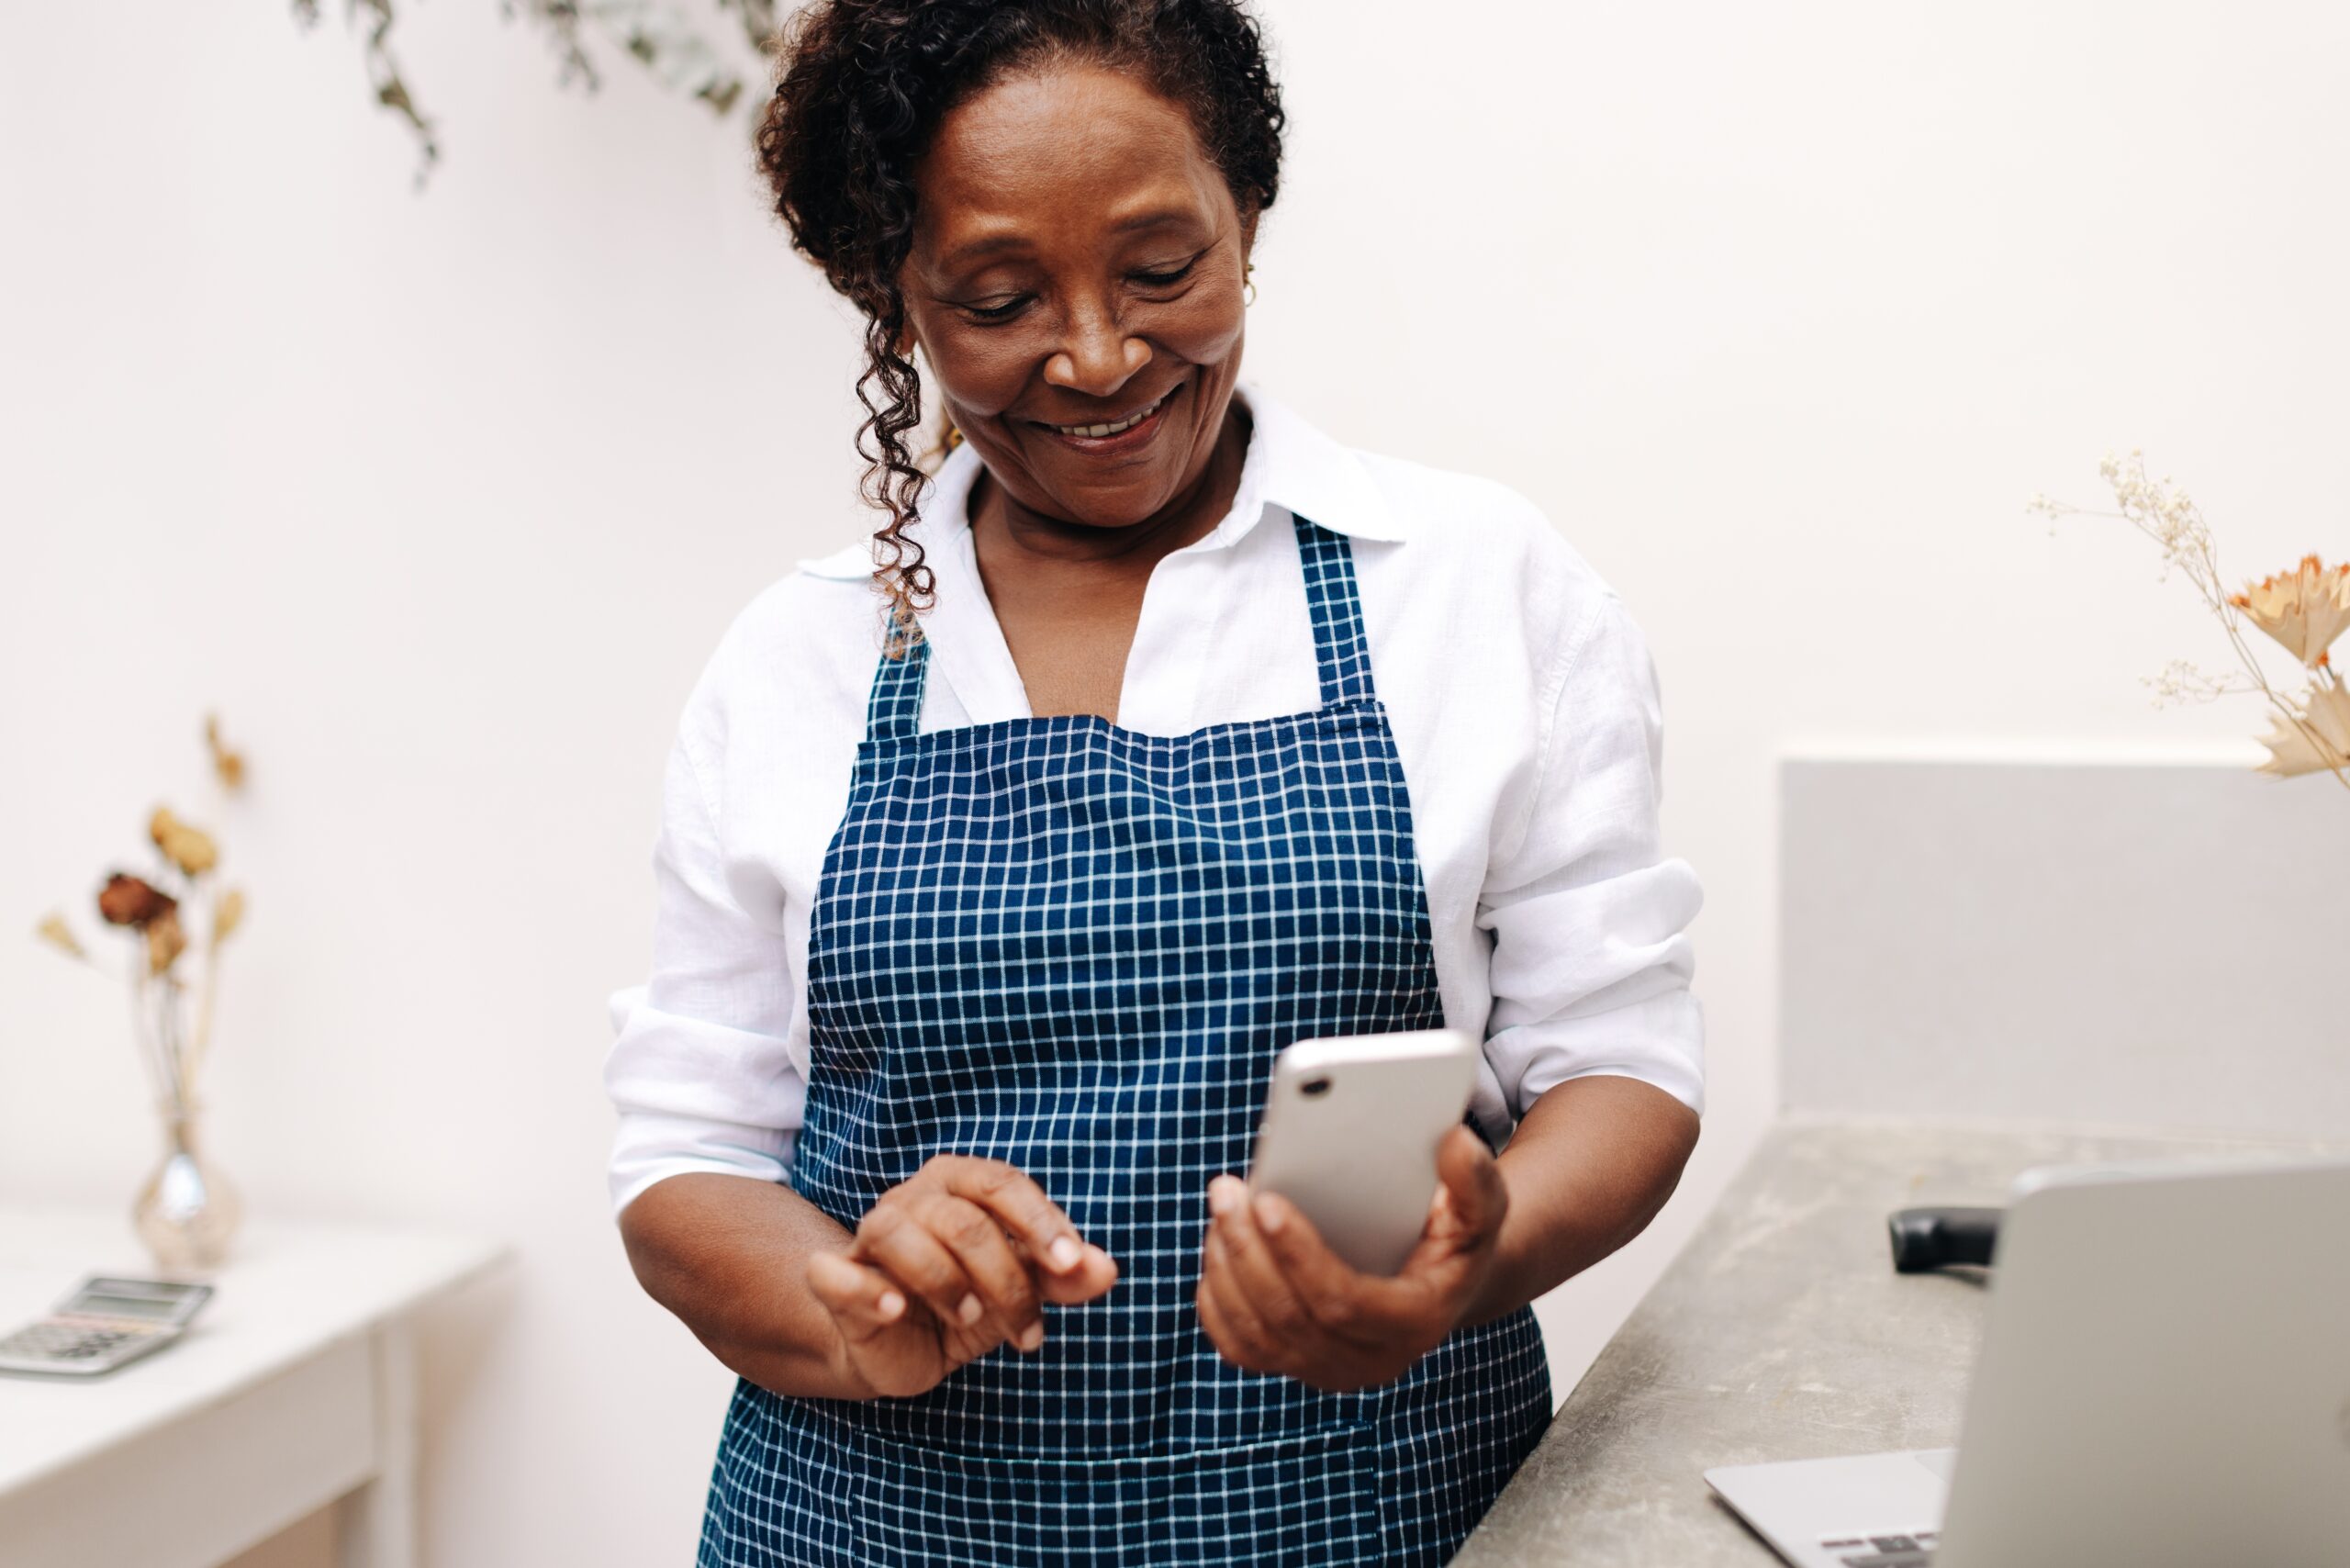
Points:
(1314, 1088)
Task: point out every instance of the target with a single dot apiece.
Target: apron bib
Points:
(1076, 948)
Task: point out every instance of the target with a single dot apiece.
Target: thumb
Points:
(1466, 1214)
(1471, 1196)
(1092, 1277)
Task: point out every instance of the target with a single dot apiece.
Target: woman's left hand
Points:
(1274, 1298)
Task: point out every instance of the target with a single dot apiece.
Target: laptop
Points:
(2164, 1382)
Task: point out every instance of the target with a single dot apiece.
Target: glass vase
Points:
(187, 1213)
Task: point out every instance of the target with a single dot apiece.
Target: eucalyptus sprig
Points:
(655, 33)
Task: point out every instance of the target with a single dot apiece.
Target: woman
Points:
(1178, 732)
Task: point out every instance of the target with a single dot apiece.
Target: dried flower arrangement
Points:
(187, 1212)
(653, 32)
(2303, 611)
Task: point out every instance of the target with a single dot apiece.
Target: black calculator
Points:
(107, 1321)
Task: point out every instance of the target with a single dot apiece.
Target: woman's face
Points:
(1077, 261)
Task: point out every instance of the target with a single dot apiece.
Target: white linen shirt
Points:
(1524, 705)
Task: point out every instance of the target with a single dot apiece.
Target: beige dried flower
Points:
(188, 846)
(55, 931)
(2324, 728)
(229, 765)
(132, 900)
(165, 941)
(229, 915)
(2305, 610)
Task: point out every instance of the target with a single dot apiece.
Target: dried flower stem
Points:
(154, 1014)
(204, 997)
(2165, 514)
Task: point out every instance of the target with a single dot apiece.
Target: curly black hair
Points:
(861, 88)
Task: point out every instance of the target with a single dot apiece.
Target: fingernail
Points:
(1224, 1195)
(890, 1304)
(1031, 1336)
(1269, 1215)
(1065, 1253)
(968, 1309)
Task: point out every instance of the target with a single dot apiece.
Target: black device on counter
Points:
(1936, 1237)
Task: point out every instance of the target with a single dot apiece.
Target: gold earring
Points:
(1247, 282)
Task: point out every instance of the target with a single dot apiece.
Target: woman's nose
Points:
(1099, 359)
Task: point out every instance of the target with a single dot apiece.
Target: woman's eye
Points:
(1003, 312)
(1161, 279)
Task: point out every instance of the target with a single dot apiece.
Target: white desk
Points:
(295, 1386)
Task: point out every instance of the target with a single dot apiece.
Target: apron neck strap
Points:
(1342, 647)
(894, 710)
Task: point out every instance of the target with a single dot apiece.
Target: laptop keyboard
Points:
(1915, 1550)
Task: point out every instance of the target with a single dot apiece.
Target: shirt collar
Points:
(1291, 464)
(1299, 468)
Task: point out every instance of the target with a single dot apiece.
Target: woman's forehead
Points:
(1061, 148)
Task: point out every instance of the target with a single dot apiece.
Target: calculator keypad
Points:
(67, 1341)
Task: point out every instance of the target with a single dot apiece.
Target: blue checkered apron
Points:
(1075, 947)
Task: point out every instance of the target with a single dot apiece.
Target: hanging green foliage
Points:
(655, 33)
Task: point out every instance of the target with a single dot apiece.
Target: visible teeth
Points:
(1126, 424)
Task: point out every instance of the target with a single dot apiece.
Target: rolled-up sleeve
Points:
(698, 1067)
(1591, 960)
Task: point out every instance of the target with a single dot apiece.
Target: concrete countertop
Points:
(1782, 1332)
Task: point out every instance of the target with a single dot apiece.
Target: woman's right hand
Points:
(948, 1265)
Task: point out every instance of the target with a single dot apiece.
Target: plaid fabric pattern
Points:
(1076, 948)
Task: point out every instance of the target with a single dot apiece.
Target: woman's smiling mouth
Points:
(1131, 431)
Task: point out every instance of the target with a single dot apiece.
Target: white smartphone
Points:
(1350, 1132)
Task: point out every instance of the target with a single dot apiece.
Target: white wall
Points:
(1780, 311)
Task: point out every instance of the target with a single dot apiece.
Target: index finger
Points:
(1361, 1308)
(1019, 1204)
